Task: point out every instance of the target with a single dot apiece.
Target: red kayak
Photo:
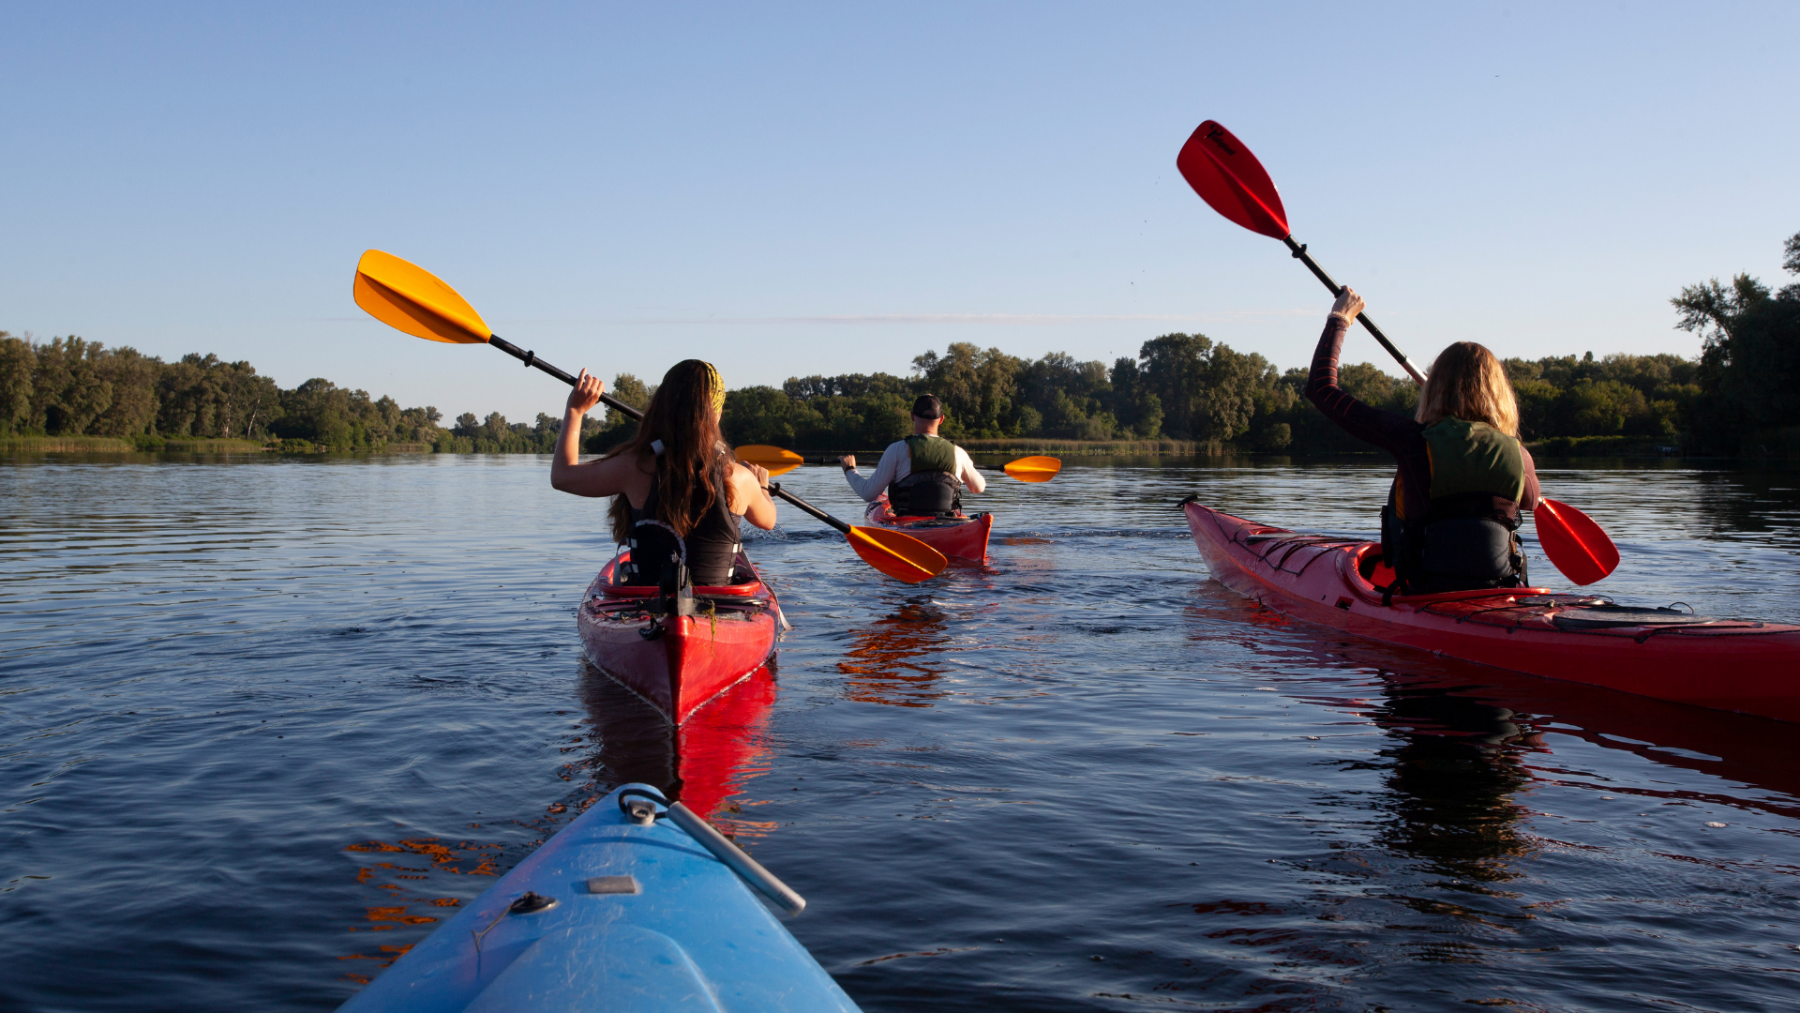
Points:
(962, 536)
(1729, 664)
(679, 662)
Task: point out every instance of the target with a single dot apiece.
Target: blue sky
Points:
(790, 189)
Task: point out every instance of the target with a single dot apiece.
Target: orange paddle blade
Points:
(777, 460)
(409, 298)
(898, 555)
(1574, 542)
(1034, 469)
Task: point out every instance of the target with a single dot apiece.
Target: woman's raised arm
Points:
(604, 477)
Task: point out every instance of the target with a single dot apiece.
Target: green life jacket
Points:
(1466, 540)
(931, 489)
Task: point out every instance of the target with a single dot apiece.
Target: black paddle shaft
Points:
(776, 489)
(1336, 289)
(530, 359)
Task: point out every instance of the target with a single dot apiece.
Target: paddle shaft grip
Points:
(734, 859)
(531, 359)
(1363, 318)
(775, 487)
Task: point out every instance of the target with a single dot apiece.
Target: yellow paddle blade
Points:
(900, 556)
(1034, 469)
(777, 460)
(409, 298)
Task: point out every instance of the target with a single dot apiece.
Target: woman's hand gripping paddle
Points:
(780, 462)
(1227, 176)
(411, 299)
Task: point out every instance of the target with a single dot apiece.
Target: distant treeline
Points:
(1741, 395)
(71, 387)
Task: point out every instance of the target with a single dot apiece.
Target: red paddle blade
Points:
(1574, 542)
(1226, 175)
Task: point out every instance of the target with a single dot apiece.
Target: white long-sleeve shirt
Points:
(896, 464)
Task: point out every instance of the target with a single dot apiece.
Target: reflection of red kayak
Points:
(962, 536)
(1730, 664)
(678, 662)
(714, 756)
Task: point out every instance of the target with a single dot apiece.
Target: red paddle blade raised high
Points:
(1226, 175)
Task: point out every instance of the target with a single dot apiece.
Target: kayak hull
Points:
(678, 663)
(961, 537)
(645, 920)
(1736, 665)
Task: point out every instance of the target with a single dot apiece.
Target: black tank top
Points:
(711, 547)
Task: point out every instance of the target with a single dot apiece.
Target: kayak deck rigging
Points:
(1745, 665)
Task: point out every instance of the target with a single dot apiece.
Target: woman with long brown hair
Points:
(678, 490)
(1452, 515)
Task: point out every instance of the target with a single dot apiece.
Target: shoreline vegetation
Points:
(1183, 395)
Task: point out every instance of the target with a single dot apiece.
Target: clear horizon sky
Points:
(788, 190)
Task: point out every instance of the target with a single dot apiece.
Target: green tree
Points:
(977, 388)
(1750, 360)
(18, 366)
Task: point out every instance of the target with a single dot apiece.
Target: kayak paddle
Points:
(1227, 176)
(780, 462)
(409, 298)
(775, 459)
(1031, 469)
(1574, 542)
(898, 555)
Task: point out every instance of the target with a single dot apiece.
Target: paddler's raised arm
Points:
(605, 477)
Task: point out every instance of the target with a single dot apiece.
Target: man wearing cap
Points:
(920, 476)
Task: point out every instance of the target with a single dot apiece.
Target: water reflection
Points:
(1515, 720)
(704, 763)
(1454, 766)
(1762, 502)
(897, 660)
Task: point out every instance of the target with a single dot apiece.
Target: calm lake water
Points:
(263, 723)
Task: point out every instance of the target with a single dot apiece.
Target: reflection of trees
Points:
(1762, 501)
(1455, 767)
(894, 660)
(711, 757)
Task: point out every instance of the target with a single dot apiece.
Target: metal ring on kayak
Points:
(642, 812)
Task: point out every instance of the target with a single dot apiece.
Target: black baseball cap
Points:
(928, 407)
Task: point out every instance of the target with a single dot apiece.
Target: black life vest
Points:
(707, 553)
(1468, 539)
(931, 488)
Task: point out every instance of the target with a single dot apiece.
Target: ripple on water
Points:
(263, 725)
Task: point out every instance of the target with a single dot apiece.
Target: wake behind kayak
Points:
(1729, 664)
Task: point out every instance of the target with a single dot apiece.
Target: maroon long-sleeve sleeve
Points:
(1398, 435)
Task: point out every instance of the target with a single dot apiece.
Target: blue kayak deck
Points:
(692, 937)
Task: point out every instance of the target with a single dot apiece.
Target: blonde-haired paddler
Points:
(1463, 475)
(921, 476)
